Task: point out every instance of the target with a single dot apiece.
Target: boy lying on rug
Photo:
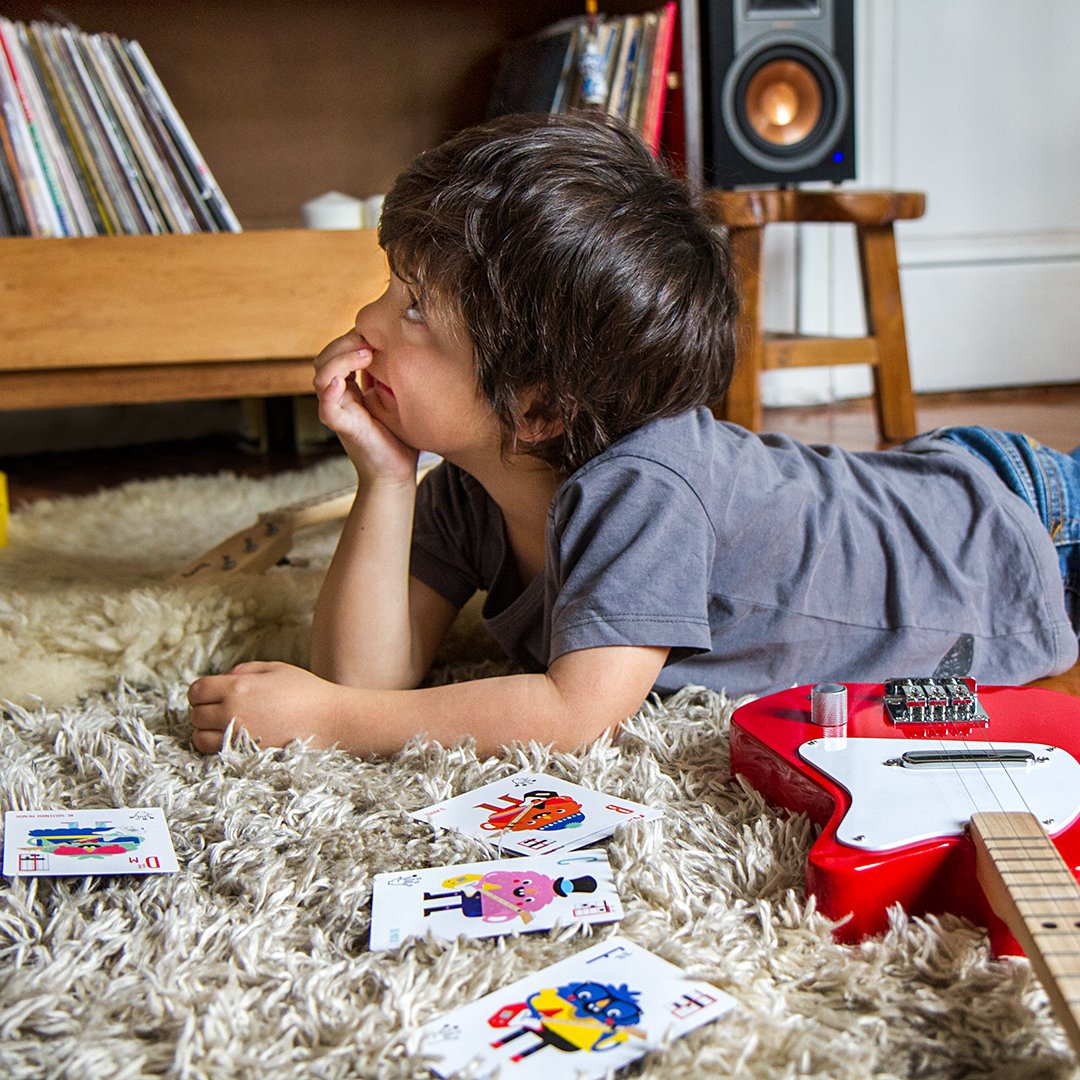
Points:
(558, 317)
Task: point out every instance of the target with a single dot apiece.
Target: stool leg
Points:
(743, 402)
(885, 322)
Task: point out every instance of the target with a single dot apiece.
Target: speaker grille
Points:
(782, 103)
(778, 91)
(785, 105)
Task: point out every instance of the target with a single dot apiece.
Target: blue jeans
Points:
(1047, 480)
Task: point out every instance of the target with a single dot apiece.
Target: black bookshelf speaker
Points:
(778, 90)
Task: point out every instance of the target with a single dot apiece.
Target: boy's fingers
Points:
(341, 409)
(207, 742)
(333, 401)
(205, 691)
(210, 718)
(347, 343)
(339, 365)
(336, 368)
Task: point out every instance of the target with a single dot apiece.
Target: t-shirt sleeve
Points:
(632, 552)
(447, 528)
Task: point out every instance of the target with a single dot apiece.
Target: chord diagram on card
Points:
(691, 1003)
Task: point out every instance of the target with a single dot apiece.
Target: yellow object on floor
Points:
(3, 509)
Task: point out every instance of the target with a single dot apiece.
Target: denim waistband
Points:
(1047, 480)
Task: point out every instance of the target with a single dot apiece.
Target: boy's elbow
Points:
(599, 689)
(580, 722)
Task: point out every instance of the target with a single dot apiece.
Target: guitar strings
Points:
(1056, 913)
(1054, 910)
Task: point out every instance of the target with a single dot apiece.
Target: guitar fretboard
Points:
(1030, 886)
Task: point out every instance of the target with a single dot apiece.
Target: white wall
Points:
(976, 103)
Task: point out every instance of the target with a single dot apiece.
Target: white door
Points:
(976, 103)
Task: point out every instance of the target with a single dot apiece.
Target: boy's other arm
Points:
(374, 625)
(582, 695)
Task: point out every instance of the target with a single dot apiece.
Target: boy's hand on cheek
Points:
(374, 450)
(275, 703)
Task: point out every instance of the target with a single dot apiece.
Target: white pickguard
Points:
(893, 805)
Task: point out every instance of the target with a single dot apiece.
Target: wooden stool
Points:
(745, 214)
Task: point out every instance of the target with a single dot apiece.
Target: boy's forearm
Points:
(492, 711)
(360, 633)
(580, 697)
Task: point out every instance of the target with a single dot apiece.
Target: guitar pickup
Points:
(966, 758)
(934, 701)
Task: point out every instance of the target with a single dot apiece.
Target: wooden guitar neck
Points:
(1032, 889)
(266, 540)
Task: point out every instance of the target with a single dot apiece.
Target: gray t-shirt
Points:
(763, 563)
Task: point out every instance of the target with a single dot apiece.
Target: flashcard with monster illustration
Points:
(486, 899)
(585, 1016)
(82, 843)
(535, 814)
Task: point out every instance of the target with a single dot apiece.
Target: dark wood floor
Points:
(81, 472)
(1050, 414)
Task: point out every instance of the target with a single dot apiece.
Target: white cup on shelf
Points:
(333, 211)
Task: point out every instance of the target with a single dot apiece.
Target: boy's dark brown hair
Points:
(580, 267)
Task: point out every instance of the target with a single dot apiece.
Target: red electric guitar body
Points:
(895, 797)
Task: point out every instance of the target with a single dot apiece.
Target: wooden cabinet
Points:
(122, 319)
(286, 99)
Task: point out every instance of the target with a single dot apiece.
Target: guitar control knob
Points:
(828, 704)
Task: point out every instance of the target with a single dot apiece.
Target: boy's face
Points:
(421, 379)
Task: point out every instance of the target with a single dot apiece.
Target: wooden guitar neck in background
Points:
(267, 540)
(1032, 889)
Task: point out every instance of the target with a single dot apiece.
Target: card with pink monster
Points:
(485, 899)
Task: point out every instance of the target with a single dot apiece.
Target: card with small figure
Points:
(487, 899)
(535, 814)
(585, 1016)
(78, 843)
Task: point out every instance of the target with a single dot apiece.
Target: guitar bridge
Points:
(934, 701)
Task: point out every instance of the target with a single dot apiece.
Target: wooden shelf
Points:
(111, 320)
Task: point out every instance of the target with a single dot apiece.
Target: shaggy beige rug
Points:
(252, 961)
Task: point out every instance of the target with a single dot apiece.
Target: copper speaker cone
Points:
(783, 102)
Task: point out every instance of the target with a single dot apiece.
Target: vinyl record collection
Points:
(619, 63)
(91, 143)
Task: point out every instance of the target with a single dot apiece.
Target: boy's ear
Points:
(538, 418)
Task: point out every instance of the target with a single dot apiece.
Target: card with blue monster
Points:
(585, 1016)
